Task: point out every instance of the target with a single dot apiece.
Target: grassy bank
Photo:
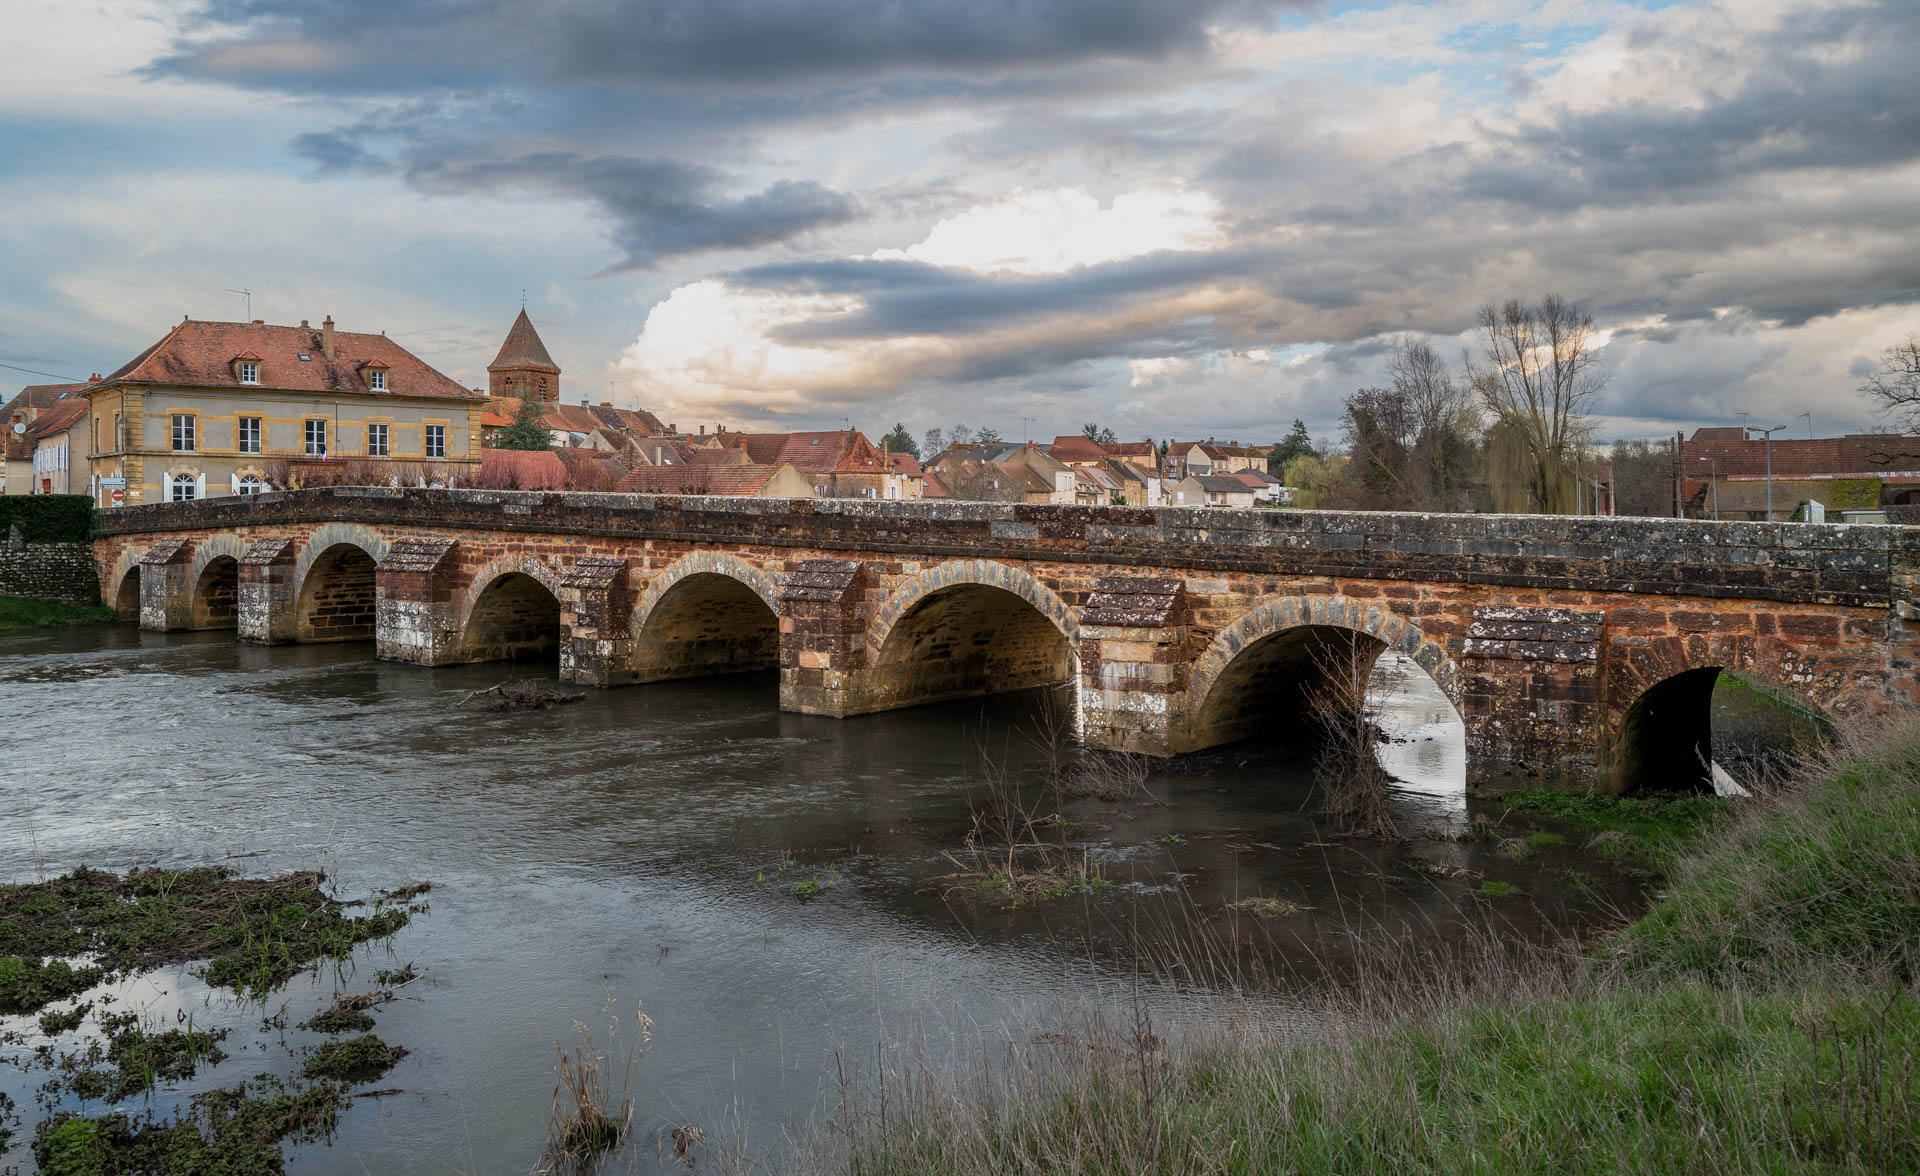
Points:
(25, 612)
(1763, 1017)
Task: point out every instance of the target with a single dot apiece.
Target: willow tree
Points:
(1541, 379)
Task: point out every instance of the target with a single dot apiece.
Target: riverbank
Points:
(19, 613)
(1761, 1017)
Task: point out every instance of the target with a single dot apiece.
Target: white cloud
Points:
(1052, 230)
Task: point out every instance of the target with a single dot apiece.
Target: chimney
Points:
(304, 323)
(326, 337)
(703, 430)
(606, 404)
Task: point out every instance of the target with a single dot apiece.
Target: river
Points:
(643, 845)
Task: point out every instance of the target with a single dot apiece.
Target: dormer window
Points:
(249, 372)
(377, 380)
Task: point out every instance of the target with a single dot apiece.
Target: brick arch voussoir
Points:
(506, 565)
(986, 572)
(327, 536)
(1338, 612)
(710, 563)
(219, 546)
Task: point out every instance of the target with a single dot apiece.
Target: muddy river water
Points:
(643, 845)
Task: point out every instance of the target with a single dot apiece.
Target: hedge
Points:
(49, 518)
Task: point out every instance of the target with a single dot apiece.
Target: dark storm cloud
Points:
(365, 46)
(1834, 88)
(660, 207)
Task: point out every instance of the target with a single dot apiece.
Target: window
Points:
(436, 441)
(182, 489)
(376, 441)
(249, 372)
(543, 387)
(183, 432)
(248, 432)
(377, 379)
(316, 438)
(250, 484)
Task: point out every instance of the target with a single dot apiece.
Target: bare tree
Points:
(1441, 416)
(1541, 379)
(1895, 388)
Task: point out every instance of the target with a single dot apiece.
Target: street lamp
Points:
(1767, 434)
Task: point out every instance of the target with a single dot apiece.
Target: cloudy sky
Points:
(1197, 217)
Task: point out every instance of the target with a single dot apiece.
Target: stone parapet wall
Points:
(50, 571)
(1795, 562)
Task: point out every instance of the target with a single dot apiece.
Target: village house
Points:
(839, 464)
(1211, 457)
(208, 408)
(18, 416)
(58, 440)
(1212, 490)
(739, 480)
(1721, 475)
(1143, 455)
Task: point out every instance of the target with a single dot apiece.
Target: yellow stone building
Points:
(237, 408)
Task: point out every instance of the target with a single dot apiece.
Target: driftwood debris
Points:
(523, 694)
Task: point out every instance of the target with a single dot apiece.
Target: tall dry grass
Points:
(1762, 1018)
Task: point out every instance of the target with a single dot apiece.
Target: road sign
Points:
(118, 497)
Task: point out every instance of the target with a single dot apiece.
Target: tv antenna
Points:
(249, 297)
(1026, 429)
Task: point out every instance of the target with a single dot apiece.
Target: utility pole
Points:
(1767, 435)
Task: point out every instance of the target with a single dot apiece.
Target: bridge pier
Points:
(1533, 699)
(596, 637)
(1135, 657)
(417, 603)
(166, 586)
(824, 607)
(269, 594)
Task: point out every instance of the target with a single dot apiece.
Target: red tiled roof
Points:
(40, 396)
(932, 485)
(590, 465)
(1713, 451)
(905, 463)
(733, 481)
(523, 348)
(200, 355)
(1024, 477)
(64, 414)
(1131, 449)
(1076, 447)
(842, 451)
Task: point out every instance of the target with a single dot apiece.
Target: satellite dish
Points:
(19, 426)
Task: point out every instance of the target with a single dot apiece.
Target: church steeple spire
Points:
(523, 362)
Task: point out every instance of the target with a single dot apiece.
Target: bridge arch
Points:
(1298, 646)
(336, 592)
(965, 628)
(706, 613)
(123, 584)
(214, 580)
(1685, 704)
(511, 610)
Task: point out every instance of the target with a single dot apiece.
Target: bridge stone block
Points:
(1134, 663)
(595, 604)
(166, 586)
(824, 610)
(416, 603)
(268, 593)
(1534, 698)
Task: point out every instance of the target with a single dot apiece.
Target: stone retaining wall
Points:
(50, 571)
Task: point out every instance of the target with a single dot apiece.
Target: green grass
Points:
(235, 1132)
(26, 612)
(357, 1059)
(1645, 830)
(1762, 1017)
(254, 933)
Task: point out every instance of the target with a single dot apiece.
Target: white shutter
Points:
(233, 487)
(200, 486)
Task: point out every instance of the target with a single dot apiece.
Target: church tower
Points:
(523, 362)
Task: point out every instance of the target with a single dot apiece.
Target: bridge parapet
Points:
(1802, 562)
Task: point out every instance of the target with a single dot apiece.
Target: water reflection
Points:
(643, 844)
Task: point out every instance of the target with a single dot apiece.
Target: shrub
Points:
(48, 518)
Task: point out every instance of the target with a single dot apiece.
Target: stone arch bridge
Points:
(1579, 650)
